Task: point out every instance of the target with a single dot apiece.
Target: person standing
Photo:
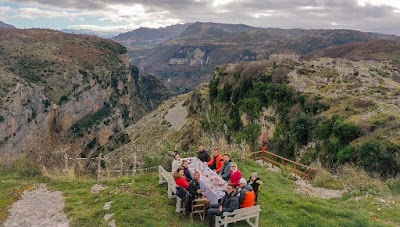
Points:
(228, 203)
(235, 174)
(255, 182)
(226, 169)
(203, 155)
(217, 161)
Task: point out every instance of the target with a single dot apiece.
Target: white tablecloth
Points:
(212, 183)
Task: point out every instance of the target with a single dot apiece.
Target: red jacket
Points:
(248, 200)
(220, 163)
(235, 177)
(182, 182)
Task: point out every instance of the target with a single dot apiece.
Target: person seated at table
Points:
(182, 186)
(228, 203)
(188, 175)
(246, 194)
(226, 169)
(194, 189)
(217, 162)
(235, 174)
(255, 182)
(176, 163)
(203, 155)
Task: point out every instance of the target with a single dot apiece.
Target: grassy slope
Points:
(145, 203)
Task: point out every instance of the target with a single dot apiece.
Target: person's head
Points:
(230, 188)
(201, 148)
(177, 157)
(242, 182)
(234, 166)
(227, 157)
(181, 171)
(185, 163)
(196, 176)
(254, 176)
(216, 152)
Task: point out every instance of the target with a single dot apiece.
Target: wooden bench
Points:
(166, 177)
(239, 215)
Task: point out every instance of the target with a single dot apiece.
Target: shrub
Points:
(301, 128)
(347, 154)
(394, 185)
(1, 118)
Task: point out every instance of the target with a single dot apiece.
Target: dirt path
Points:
(39, 207)
(177, 116)
(323, 193)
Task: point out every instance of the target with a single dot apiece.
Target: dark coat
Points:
(230, 202)
(203, 156)
(193, 187)
(187, 174)
(255, 184)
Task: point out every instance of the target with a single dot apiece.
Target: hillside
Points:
(58, 89)
(189, 59)
(281, 201)
(378, 50)
(149, 37)
(331, 111)
(4, 25)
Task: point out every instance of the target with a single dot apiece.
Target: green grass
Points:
(145, 203)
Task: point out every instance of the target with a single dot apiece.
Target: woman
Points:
(176, 163)
(235, 174)
(182, 186)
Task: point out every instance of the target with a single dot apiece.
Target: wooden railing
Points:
(276, 160)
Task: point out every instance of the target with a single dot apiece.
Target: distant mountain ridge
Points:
(189, 59)
(149, 36)
(89, 32)
(4, 25)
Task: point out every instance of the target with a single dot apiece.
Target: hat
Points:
(242, 181)
(254, 174)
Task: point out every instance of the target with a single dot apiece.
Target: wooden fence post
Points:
(133, 167)
(66, 163)
(121, 164)
(99, 166)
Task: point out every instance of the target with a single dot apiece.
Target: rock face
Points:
(79, 86)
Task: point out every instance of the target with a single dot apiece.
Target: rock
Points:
(97, 188)
(112, 223)
(107, 206)
(108, 216)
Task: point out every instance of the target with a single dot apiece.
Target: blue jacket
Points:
(226, 171)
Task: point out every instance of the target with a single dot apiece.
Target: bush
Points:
(347, 154)
(301, 128)
(380, 157)
(25, 167)
(1, 118)
(394, 185)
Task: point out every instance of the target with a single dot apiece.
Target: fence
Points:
(276, 160)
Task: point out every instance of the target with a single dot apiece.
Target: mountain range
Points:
(189, 59)
(4, 25)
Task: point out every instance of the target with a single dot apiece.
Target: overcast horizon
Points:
(125, 15)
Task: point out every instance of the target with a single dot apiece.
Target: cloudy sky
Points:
(124, 15)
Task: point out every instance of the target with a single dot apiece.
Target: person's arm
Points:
(227, 174)
(208, 158)
(220, 164)
(210, 163)
(241, 196)
(192, 188)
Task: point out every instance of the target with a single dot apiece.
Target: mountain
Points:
(189, 59)
(144, 37)
(78, 88)
(90, 32)
(325, 110)
(4, 25)
(378, 50)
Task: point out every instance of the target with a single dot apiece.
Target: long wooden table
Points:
(211, 183)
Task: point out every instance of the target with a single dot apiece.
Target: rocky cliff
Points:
(78, 86)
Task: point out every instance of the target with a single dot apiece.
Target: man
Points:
(185, 165)
(228, 203)
(255, 182)
(203, 155)
(217, 162)
(226, 169)
(194, 186)
(246, 194)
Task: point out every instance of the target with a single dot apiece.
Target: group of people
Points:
(239, 192)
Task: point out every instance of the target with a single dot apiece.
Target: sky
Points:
(118, 16)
